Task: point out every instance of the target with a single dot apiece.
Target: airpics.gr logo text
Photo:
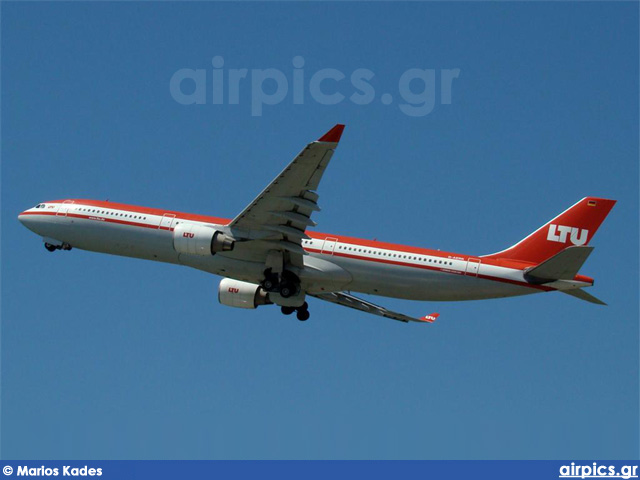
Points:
(415, 93)
(559, 233)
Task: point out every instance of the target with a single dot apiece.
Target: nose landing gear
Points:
(52, 248)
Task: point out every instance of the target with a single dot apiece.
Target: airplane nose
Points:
(26, 220)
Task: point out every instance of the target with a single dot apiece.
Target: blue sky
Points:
(107, 357)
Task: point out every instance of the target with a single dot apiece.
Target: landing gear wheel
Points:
(51, 248)
(286, 290)
(287, 310)
(302, 312)
(270, 282)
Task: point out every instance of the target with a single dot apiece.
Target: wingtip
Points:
(432, 317)
(333, 135)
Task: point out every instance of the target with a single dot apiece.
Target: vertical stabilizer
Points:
(575, 226)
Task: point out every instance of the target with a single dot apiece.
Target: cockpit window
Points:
(40, 205)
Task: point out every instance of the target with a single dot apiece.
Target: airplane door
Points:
(473, 265)
(167, 221)
(329, 245)
(64, 208)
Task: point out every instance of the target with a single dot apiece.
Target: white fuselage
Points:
(332, 263)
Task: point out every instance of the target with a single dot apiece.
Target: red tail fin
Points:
(575, 226)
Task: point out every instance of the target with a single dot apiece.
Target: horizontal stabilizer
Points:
(582, 295)
(562, 266)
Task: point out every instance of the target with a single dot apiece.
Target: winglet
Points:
(432, 317)
(333, 135)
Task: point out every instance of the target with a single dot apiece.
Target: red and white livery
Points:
(268, 256)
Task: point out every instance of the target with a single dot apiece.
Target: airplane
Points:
(267, 255)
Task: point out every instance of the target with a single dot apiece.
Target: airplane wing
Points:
(348, 300)
(278, 217)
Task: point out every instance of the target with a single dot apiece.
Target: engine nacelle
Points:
(235, 293)
(200, 240)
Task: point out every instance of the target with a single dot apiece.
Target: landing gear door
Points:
(329, 245)
(64, 208)
(473, 265)
(166, 223)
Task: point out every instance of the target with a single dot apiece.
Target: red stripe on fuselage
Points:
(436, 269)
(142, 210)
(359, 242)
(96, 218)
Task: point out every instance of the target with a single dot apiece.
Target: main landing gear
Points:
(53, 248)
(302, 312)
(287, 284)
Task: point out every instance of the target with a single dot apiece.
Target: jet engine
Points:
(200, 240)
(235, 293)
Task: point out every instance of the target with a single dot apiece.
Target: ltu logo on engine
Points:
(188, 235)
(558, 233)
